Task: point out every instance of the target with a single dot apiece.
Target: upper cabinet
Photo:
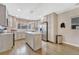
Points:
(3, 20)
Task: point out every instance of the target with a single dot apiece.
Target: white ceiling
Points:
(34, 11)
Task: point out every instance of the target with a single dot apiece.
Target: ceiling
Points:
(34, 11)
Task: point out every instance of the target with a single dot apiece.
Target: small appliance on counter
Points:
(2, 28)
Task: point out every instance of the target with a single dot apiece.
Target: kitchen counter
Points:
(33, 39)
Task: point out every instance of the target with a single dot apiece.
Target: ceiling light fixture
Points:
(16, 15)
(18, 9)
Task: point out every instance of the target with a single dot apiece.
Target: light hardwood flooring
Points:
(21, 48)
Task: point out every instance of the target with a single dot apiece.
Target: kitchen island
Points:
(33, 39)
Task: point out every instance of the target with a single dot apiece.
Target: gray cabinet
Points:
(3, 20)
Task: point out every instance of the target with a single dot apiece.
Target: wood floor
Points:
(21, 48)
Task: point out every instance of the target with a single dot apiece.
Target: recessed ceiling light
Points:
(18, 9)
(16, 15)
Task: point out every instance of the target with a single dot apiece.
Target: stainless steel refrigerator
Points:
(44, 31)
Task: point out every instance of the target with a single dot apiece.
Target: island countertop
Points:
(35, 33)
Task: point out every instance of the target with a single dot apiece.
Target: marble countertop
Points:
(36, 33)
(4, 33)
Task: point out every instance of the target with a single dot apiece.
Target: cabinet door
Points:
(6, 41)
(52, 27)
(29, 40)
(3, 20)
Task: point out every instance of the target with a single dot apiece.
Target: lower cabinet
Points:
(19, 35)
(6, 41)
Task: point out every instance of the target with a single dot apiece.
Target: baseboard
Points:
(51, 41)
(6, 50)
(19, 39)
(45, 40)
(75, 45)
(32, 48)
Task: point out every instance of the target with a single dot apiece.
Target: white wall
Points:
(70, 36)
